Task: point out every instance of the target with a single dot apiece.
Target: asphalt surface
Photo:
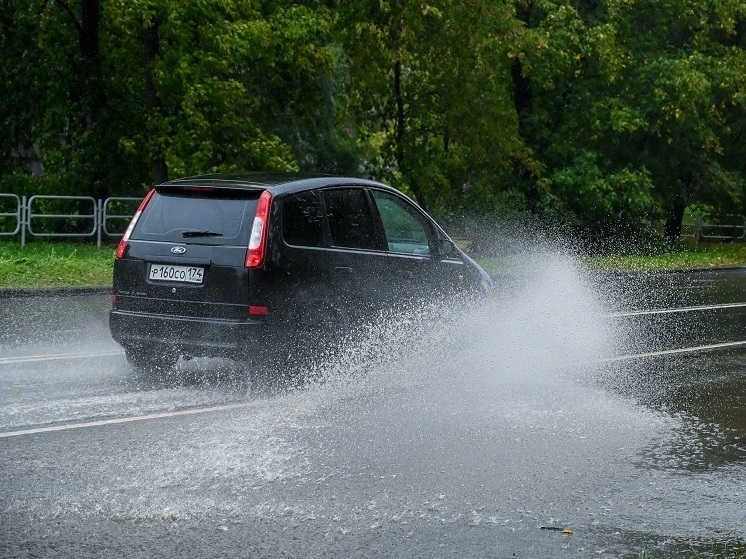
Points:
(570, 402)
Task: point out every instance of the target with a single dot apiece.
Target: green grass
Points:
(713, 256)
(68, 264)
(681, 258)
(48, 264)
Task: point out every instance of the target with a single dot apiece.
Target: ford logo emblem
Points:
(178, 250)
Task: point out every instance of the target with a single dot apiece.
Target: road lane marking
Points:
(227, 407)
(57, 356)
(117, 421)
(671, 352)
(676, 310)
(197, 411)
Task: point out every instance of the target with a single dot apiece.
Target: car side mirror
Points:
(446, 247)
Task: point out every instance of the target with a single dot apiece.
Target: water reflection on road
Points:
(705, 391)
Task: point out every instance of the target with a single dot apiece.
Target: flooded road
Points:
(608, 406)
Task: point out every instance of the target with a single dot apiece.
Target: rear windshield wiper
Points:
(201, 234)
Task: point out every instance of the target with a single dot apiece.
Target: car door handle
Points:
(343, 269)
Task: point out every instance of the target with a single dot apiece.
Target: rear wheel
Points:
(150, 358)
(316, 340)
(312, 342)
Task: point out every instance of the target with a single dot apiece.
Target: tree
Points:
(220, 79)
(429, 86)
(143, 89)
(607, 116)
(57, 100)
(631, 108)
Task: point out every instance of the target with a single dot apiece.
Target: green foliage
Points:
(599, 199)
(642, 93)
(225, 74)
(430, 83)
(606, 117)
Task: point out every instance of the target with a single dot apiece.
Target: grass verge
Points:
(681, 258)
(49, 264)
(68, 264)
(712, 256)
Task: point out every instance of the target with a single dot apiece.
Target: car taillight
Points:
(122, 247)
(258, 310)
(258, 240)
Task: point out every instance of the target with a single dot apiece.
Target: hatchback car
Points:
(237, 266)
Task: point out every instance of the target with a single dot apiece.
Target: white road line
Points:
(677, 310)
(671, 352)
(120, 420)
(58, 356)
(70, 426)
(226, 407)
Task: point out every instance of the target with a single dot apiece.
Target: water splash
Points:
(495, 418)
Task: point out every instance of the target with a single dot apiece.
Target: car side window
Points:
(303, 220)
(406, 229)
(351, 222)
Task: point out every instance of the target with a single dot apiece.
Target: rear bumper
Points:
(195, 336)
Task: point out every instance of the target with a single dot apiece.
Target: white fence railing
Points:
(706, 226)
(90, 217)
(64, 216)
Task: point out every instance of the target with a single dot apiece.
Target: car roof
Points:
(277, 183)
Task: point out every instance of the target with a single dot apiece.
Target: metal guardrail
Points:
(17, 214)
(101, 217)
(107, 217)
(97, 215)
(714, 227)
(92, 217)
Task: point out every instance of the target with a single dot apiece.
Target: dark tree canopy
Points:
(608, 117)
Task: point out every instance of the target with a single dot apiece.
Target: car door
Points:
(421, 266)
(357, 249)
(303, 275)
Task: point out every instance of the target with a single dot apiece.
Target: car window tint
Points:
(350, 221)
(170, 214)
(406, 229)
(303, 220)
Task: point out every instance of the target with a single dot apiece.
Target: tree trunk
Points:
(399, 116)
(88, 40)
(87, 91)
(674, 219)
(400, 137)
(521, 88)
(153, 105)
(89, 87)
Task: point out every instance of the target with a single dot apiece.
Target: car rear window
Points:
(217, 217)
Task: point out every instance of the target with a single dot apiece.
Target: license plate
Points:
(165, 272)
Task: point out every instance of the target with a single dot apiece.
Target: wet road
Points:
(610, 406)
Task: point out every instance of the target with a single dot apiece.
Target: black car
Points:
(236, 266)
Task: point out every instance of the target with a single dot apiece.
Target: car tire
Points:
(313, 340)
(150, 359)
(317, 338)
